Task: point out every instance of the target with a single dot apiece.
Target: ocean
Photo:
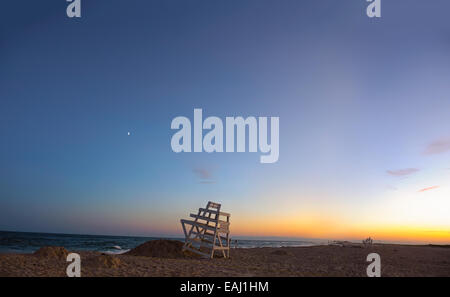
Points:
(27, 242)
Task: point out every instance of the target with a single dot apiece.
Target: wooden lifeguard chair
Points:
(208, 232)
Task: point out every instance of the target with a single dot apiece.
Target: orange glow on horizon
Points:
(338, 223)
(322, 227)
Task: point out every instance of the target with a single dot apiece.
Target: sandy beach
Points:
(396, 260)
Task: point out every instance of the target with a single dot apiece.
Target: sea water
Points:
(27, 242)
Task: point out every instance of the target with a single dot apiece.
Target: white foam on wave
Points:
(115, 252)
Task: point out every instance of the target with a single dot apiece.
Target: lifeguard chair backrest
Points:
(213, 205)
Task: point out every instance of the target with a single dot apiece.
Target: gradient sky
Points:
(364, 107)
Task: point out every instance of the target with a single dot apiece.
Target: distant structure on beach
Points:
(367, 242)
(208, 232)
(343, 243)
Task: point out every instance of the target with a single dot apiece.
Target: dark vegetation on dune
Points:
(161, 248)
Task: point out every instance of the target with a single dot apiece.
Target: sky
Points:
(363, 106)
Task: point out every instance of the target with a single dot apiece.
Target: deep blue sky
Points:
(359, 101)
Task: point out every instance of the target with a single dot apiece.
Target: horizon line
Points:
(240, 237)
